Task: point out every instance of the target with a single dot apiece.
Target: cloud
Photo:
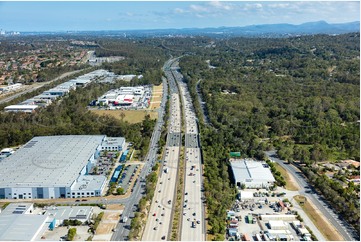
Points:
(198, 8)
(220, 5)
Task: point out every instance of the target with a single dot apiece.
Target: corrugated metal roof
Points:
(48, 161)
(247, 169)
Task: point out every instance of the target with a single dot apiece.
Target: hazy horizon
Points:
(137, 15)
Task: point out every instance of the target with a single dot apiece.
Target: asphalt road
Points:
(345, 230)
(193, 222)
(130, 203)
(159, 223)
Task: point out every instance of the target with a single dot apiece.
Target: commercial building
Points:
(113, 144)
(22, 222)
(252, 174)
(58, 214)
(136, 97)
(55, 167)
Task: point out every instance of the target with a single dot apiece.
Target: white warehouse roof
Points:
(248, 171)
(51, 161)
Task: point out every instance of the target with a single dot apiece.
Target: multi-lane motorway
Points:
(193, 223)
(344, 229)
(130, 203)
(159, 223)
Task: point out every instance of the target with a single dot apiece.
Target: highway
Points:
(159, 223)
(130, 203)
(193, 222)
(342, 227)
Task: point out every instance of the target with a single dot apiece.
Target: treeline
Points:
(141, 58)
(256, 94)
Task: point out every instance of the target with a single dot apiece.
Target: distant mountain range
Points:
(320, 27)
(264, 30)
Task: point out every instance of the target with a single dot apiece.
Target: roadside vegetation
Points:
(138, 222)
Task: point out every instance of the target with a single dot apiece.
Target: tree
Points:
(71, 234)
(120, 191)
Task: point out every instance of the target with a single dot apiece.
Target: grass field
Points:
(132, 116)
(324, 227)
(289, 182)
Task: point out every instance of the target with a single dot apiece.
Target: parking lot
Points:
(127, 176)
(105, 164)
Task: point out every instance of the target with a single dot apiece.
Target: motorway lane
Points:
(122, 229)
(192, 208)
(160, 225)
(345, 230)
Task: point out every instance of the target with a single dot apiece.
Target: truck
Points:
(193, 224)
(166, 170)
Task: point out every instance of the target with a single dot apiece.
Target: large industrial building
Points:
(24, 222)
(49, 96)
(253, 174)
(56, 167)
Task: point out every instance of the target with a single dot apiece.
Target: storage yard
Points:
(263, 215)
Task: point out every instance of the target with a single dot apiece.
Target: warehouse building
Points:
(18, 223)
(58, 214)
(253, 174)
(54, 167)
(21, 108)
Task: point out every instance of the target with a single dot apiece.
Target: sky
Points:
(128, 15)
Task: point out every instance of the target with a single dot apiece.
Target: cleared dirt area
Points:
(323, 226)
(132, 116)
(115, 207)
(157, 93)
(109, 221)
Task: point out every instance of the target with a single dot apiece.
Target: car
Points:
(154, 214)
(163, 237)
(198, 222)
(162, 214)
(77, 200)
(84, 200)
(155, 228)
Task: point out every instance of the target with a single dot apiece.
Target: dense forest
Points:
(298, 95)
